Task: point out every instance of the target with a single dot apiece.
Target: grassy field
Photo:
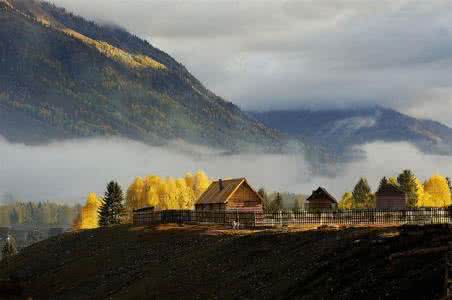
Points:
(196, 262)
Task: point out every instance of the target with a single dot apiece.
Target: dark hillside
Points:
(201, 263)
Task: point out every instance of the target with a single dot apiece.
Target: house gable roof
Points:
(321, 193)
(144, 209)
(390, 189)
(215, 195)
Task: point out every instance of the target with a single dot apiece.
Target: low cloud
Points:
(67, 171)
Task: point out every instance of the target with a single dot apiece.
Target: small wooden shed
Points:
(231, 194)
(321, 199)
(390, 196)
(143, 216)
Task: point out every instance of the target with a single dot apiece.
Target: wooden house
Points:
(321, 199)
(231, 194)
(390, 196)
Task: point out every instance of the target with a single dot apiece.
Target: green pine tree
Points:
(362, 195)
(277, 203)
(112, 205)
(450, 185)
(407, 183)
(384, 181)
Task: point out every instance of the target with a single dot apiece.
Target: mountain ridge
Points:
(342, 129)
(91, 80)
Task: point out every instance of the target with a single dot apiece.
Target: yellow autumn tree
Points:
(437, 191)
(88, 217)
(191, 197)
(135, 195)
(393, 180)
(184, 194)
(166, 193)
(347, 201)
(422, 198)
(172, 199)
(201, 182)
(151, 187)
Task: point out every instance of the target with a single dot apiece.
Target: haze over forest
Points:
(66, 171)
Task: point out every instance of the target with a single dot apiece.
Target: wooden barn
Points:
(231, 194)
(389, 196)
(143, 216)
(321, 199)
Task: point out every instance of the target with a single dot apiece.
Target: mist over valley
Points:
(67, 171)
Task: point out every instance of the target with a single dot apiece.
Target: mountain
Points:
(65, 77)
(340, 130)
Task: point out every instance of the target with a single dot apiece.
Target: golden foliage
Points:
(88, 217)
(347, 201)
(437, 192)
(132, 60)
(421, 196)
(393, 180)
(166, 193)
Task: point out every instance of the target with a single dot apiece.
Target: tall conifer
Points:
(407, 183)
(112, 205)
(362, 194)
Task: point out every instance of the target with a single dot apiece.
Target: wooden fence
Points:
(299, 217)
(246, 219)
(361, 217)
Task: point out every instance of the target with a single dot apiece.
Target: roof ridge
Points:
(230, 179)
(389, 186)
(215, 194)
(324, 190)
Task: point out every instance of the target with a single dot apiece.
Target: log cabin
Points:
(231, 194)
(321, 199)
(390, 196)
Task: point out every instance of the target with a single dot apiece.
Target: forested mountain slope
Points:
(65, 77)
(338, 130)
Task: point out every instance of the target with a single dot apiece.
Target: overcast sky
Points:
(286, 54)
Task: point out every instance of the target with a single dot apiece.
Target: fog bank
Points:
(67, 171)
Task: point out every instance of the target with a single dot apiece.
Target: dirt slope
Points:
(200, 263)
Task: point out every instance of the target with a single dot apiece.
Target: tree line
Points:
(277, 201)
(434, 192)
(181, 193)
(41, 213)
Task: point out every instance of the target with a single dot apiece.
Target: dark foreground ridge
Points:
(191, 262)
